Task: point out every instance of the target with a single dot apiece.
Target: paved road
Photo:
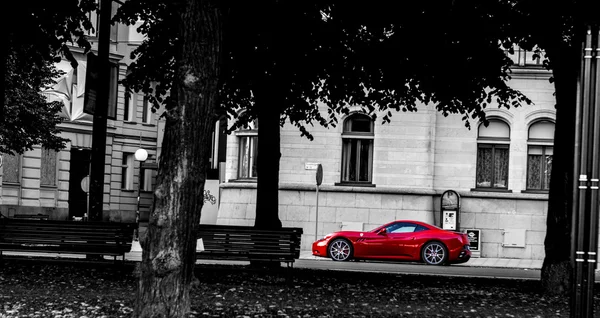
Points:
(421, 269)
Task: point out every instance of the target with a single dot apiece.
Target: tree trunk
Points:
(269, 101)
(557, 269)
(269, 95)
(170, 242)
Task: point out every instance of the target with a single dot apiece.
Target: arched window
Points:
(357, 149)
(248, 155)
(539, 155)
(492, 155)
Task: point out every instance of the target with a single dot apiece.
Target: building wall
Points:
(28, 197)
(416, 158)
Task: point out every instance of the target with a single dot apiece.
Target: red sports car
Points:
(398, 240)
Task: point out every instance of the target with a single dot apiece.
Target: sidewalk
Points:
(136, 256)
(475, 262)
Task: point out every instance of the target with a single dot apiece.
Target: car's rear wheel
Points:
(340, 250)
(434, 253)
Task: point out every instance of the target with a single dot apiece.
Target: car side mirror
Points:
(382, 231)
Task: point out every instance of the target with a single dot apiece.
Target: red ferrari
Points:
(399, 240)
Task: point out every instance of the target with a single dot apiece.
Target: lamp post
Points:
(140, 155)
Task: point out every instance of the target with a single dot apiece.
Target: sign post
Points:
(319, 177)
(474, 241)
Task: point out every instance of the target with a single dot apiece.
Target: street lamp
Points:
(140, 155)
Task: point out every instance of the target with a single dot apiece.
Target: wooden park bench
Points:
(245, 243)
(69, 237)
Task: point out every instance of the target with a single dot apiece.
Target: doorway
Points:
(78, 182)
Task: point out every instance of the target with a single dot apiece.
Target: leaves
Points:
(85, 290)
(30, 51)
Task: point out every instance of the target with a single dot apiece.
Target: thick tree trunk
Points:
(170, 243)
(269, 102)
(269, 95)
(557, 269)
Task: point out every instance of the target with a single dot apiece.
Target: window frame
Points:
(127, 167)
(19, 169)
(129, 107)
(147, 110)
(545, 144)
(348, 136)
(53, 170)
(251, 136)
(495, 143)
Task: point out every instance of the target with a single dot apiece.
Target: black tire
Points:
(434, 253)
(340, 250)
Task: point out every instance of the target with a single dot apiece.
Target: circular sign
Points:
(319, 174)
(85, 184)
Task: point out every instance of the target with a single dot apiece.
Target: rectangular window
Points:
(147, 179)
(95, 20)
(130, 106)
(48, 167)
(127, 171)
(492, 166)
(248, 157)
(357, 160)
(11, 168)
(147, 111)
(539, 167)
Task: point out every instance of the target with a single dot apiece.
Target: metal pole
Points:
(317, 214)
(137, 210)
(100, 114)
(593, 157)
(583, 200)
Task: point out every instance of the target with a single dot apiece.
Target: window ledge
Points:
(48, 186)
(491, 190)
(535, 191)
(242, 180)
(128, 122)
(354, 184)
(148, 125)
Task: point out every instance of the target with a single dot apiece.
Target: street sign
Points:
(474, 239)
(319, 174)
(311, 166)
(450, 210)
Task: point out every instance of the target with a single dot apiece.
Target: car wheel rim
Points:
(340, 250)
(434, 254)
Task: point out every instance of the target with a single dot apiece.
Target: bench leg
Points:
(289, 270)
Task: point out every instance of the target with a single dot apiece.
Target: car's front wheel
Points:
(434, 253)
(340, 250)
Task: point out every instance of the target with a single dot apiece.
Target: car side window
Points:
(402, 228)
(420, 228)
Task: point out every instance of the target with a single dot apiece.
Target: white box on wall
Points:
(514, 237)
(351, 226)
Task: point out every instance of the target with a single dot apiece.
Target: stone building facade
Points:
(43, 181)
(375, 173)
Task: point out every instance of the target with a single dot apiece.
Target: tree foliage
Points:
(282, 60)
(29, 52)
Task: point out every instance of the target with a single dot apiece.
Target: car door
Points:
(373, 244)
(403, 239)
